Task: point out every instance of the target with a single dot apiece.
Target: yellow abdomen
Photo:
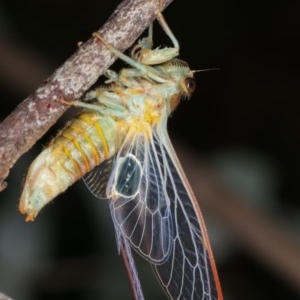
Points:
(84, 143)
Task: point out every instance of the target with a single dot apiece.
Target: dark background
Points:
(242, 120)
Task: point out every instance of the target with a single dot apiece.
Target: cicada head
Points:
(183, 78)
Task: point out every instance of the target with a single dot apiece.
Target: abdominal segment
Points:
(84, 143)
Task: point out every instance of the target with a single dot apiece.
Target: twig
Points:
(36, 114)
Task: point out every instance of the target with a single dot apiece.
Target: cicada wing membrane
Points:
(154, 209)
(133, 183)
(190, 271)
(96, 180)
(138, 204)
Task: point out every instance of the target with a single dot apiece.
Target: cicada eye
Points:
(190, 85)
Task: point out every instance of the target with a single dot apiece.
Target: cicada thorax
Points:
(84, 143)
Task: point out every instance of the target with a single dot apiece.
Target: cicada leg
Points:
(139, 69)
(143, 56)
(114, 106)
(143, 52)
(110, 75)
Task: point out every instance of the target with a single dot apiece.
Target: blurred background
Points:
(237, 138)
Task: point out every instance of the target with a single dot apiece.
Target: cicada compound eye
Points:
(190, 85)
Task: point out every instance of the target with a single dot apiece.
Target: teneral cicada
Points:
(119, 144)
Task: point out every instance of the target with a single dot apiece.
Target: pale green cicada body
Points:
(120, 146)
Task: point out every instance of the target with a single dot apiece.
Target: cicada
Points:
(120, 146)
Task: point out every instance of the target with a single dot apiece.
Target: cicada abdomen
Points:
(84, 143)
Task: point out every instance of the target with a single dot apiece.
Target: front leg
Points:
(105, 103)
(143, 70)
(143, 52)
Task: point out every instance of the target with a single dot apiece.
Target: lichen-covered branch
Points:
(37, 113)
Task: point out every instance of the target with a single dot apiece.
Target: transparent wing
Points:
(96, 180)
(125, 251)
(190, 271)
(154, 209)
(139, 203)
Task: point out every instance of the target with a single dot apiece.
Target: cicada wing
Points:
(125, 251)
(139, 206)
(96, 180)
(190, 271)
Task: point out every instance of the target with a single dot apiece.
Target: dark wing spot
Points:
(129, 175)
